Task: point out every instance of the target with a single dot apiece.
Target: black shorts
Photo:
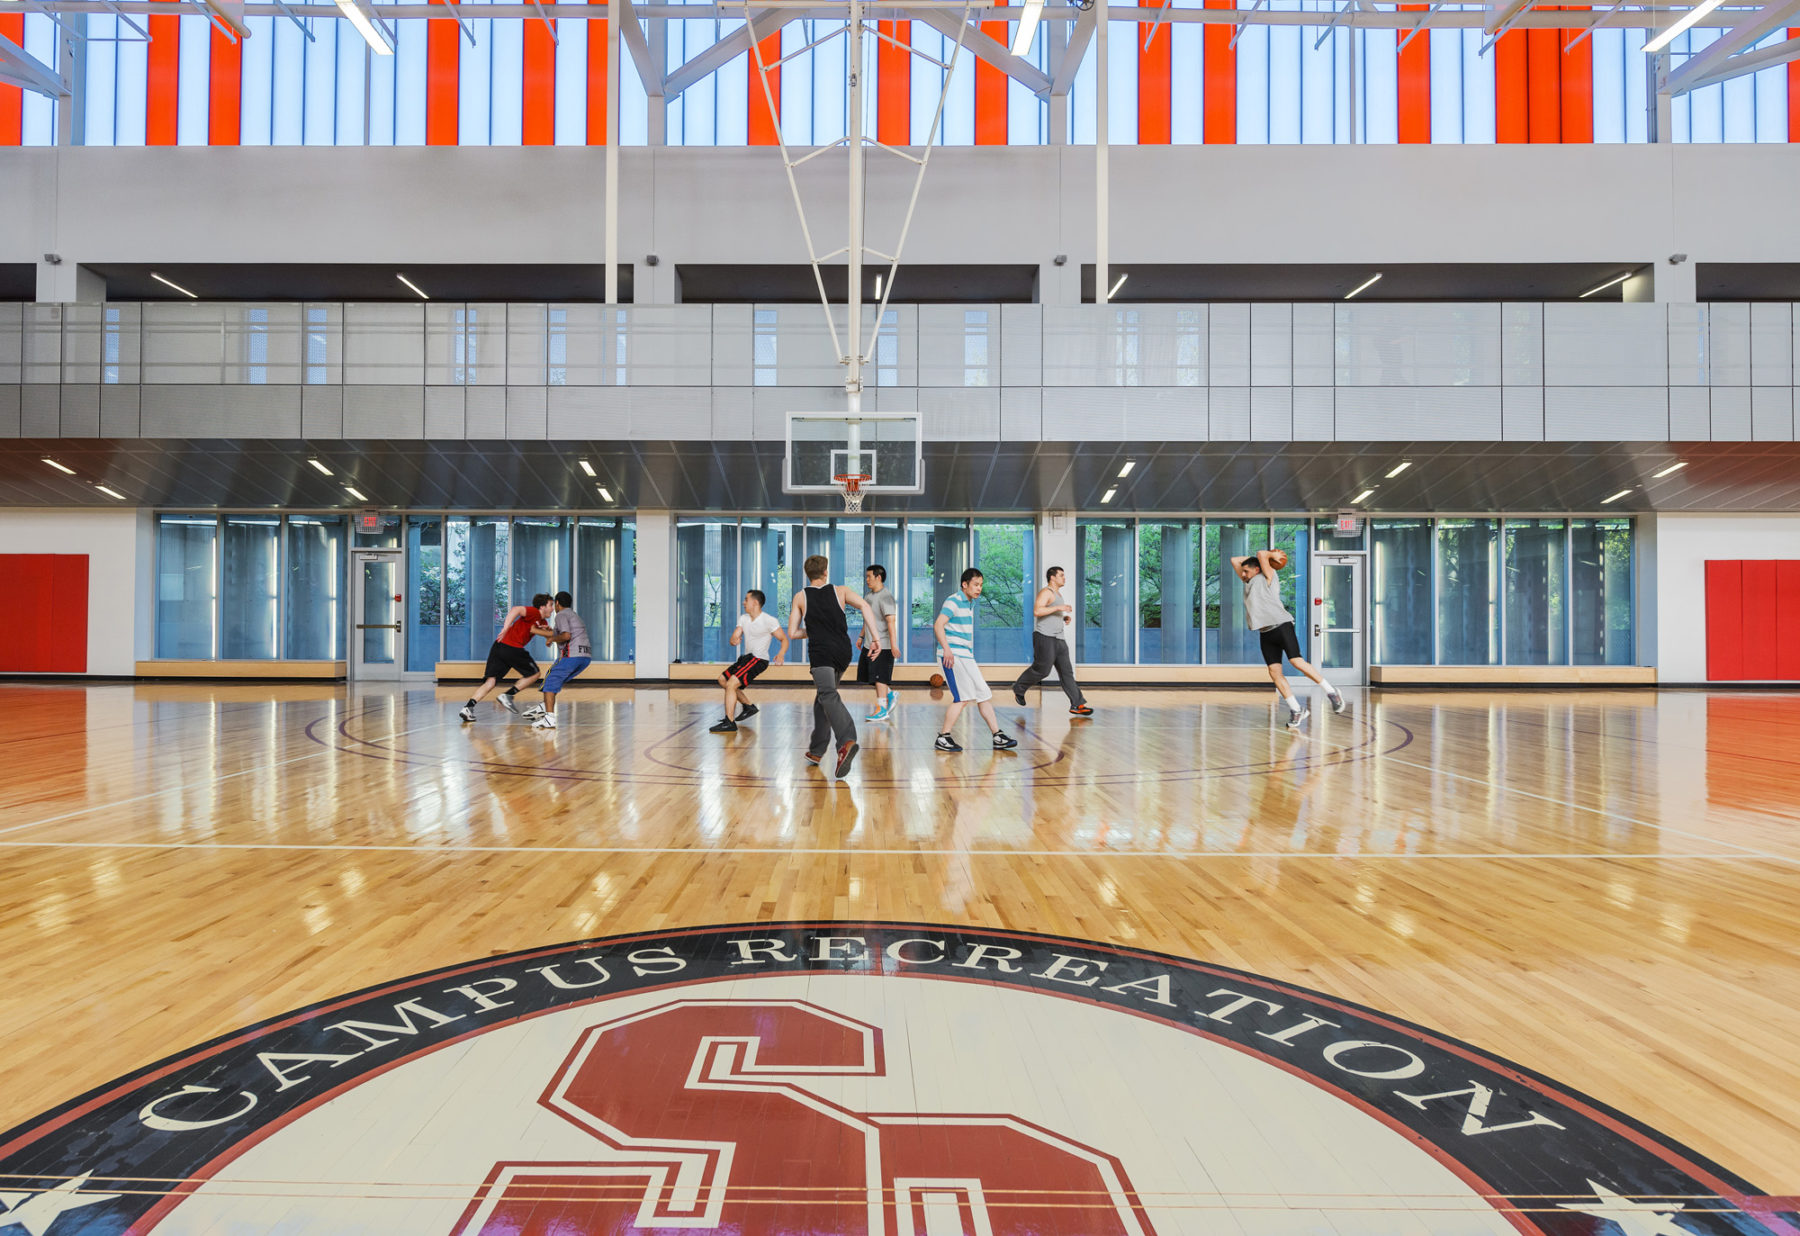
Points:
(1279, 640)
(746, 669)
(877, 668)
(504, 657)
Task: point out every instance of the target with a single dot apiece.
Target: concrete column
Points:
(68, 282)
(655, 591)
(1056, 547)
(1671, 284)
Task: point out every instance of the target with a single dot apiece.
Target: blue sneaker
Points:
(886, 710)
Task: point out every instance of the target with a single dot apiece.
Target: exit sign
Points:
(369, 521)
(1349, 525)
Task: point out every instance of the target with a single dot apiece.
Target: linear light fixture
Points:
(171, 283)
(60, 467)
(1108, 495)
(376, 35)
(586, 466)
(1681, 23)
(356, 493)
(1364, 286)
(1609, 283)
(1615, 497)
(1400, 467)
(1029, 16)
(111, 493)
(1655, 476)
(409, 283)
(1364, 494)
(1117, 284)
(1126, 470)
(321, 467)
(605, 494)
(877, 287)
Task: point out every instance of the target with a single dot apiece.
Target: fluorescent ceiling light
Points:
(586, 466)
(1126, 470)
(1108, 495)
(321, 467)
(111, 493)
(409, 283)
(1364, 286)
(1117, 284)
(1609, 283)
(374, 33)
(877, 287)
(60, 467)
(1029, 16)
(1364, 494)
(1400, 467)
(1615, 497)
(605, 494)
(173, 284)
(1681, 23)
(1655, 476)
(356, 493)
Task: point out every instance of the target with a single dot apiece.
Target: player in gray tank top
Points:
(1265, 614)
(1049, 647)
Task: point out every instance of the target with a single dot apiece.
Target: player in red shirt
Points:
(508, 653)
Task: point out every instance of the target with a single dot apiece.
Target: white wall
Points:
(1684, 543)
(110, 539)
(655, 591)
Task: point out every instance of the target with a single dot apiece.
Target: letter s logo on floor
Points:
(871, 1078)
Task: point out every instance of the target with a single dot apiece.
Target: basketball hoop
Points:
(851, 483)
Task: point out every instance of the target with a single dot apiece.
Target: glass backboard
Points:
(884, 446)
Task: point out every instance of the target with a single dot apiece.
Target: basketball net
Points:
(851, 483)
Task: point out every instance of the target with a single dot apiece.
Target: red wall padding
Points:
(43, 613)
(1752, 620)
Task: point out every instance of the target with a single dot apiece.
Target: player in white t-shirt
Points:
(754, 630)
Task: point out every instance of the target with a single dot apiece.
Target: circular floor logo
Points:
(851, 1077)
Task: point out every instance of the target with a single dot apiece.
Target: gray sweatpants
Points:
(830, 718)
(1049, 651)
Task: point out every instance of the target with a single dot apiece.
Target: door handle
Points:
(377, 626)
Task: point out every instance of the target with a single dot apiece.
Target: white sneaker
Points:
(467, 713)
(545, 722)
(534, 712)
(1295, 718)
(1338, 703)
(507, 701)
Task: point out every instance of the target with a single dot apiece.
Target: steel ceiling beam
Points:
(1080, 35)
(987, 48)
(1747, 62)
(729, 48)
(1703, 68)
(19, 67)
(631, 33)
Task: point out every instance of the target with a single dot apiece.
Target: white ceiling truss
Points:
(1069, 26)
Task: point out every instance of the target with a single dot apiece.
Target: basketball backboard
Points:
(886, 447)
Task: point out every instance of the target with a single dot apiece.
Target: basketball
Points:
(937, 680)
(1278, 559)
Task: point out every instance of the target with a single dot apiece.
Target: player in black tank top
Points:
(827, 631)
(818, 618)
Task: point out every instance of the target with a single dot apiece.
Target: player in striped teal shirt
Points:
(955, 631)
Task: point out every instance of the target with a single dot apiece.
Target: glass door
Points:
(377, 642)
(1338, 635)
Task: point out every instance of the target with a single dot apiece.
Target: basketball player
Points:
(877, 668)
(508, 653)
(1049, 648)
(568, 635)
(754, 630)
(955, 631)
(818, 618)
(1264, 611)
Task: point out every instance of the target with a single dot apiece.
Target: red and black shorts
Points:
(877, 668)
(746, 669)
(502, 658)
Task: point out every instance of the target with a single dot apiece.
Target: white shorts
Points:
(967, 686)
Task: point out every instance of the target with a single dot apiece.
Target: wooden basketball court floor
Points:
(1598, 886)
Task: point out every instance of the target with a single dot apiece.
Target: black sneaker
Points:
(1081, 710)
(946, 743)
(1019, 698)
(1005, 742)
(727, 726)
(846, 755)
(747, 711)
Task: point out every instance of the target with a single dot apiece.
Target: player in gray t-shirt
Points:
(1264, 612)
(574, 653)
(878, 670)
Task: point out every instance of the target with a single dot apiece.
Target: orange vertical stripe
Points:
(1577, 99)
(1543, 84)
(764, 123)
(1219, 84)
(162, 107)
(1794, 93)
(225, 91)
(540, 85)
(1415, 82)
(990, 92)
(443, 51)
(1512, 108)
(596, 82)
(893, 85)
(1155, 88)
(12, 98)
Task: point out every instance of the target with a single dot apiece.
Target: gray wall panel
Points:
(224, 412)
(733, 414)
(1272, 413)
(484, 413)
(384, 411)
(1228, 413)
(1687, 345)
(1772, 345)
(1442, 413)
(322, 412)
(602, 412)
(771, 405)
(1606, 345)
(528, 417)
(1073, 413)
(677, 413)
(1731, 414)
(1772, 413)
(1418, 345)
(446, 413)
(1164, 414)
(1271, 345)
(732, 345)
(1021, 345)
(1690, 414)
(1315, 347)
(1228, 345)
(955, 414)
(9, 412)
(80, 411)
(40, 410)
(1728, 334)
(1021, 414)
(1315, 413)
(1522, 414)
(1614, 414)
(120, 415)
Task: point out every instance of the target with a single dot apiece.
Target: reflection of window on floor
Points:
(763, 357)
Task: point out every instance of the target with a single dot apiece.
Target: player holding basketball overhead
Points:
(955, 631)
(818, 618)
(754, 630)
(1049, 648)
(508, 653)
(1264, 612)
(877, 667)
